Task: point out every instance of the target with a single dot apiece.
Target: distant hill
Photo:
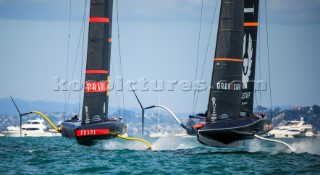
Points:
(7, 107)
(310, 115)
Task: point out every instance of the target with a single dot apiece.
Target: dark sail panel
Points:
(226, 82)
(95, 103)
(251, 12)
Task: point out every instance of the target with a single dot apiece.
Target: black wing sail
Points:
(95, 103)
(251, 11)
(226, 83)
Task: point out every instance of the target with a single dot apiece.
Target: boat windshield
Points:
(32, 129)
(294, 130)
(35, 123)
(293, 123)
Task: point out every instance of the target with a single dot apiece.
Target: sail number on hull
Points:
(91, 132)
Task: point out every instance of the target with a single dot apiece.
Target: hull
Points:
(30, 134)
(303, 135)
(232, 132)
(90, 134)
(285, 135)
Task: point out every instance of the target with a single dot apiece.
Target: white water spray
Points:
(117, 144)
(175, 143)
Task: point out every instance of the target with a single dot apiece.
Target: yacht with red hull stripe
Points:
(95, 124)
(90, 134)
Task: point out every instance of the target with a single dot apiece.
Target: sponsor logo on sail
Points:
(213, 105)
(223, 116)
(96, 118)
(245, 95)
(100, 86)
(247, 59)
(233, 86)
(86, 108)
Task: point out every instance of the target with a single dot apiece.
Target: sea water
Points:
(171, 155)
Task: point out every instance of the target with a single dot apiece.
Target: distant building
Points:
(296, 108)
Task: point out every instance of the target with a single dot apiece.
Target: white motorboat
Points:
(294, 129)
(166, 134)
(159, 134)
(32, 128)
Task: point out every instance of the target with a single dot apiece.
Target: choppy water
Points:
(57, 155)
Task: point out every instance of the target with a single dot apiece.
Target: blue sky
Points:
(159, 41)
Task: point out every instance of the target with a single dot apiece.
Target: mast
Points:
(226, 82)
(95, 102)
(251, 13)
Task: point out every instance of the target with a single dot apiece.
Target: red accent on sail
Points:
(99, 19)
(110, 40)
(251, 24)
(97, 71)
(91, 132)
(229, 59)
(92, 86)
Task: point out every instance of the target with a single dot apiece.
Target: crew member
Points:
(262, 114)
(75, 117)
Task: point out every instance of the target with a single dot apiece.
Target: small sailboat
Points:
(95, 124)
